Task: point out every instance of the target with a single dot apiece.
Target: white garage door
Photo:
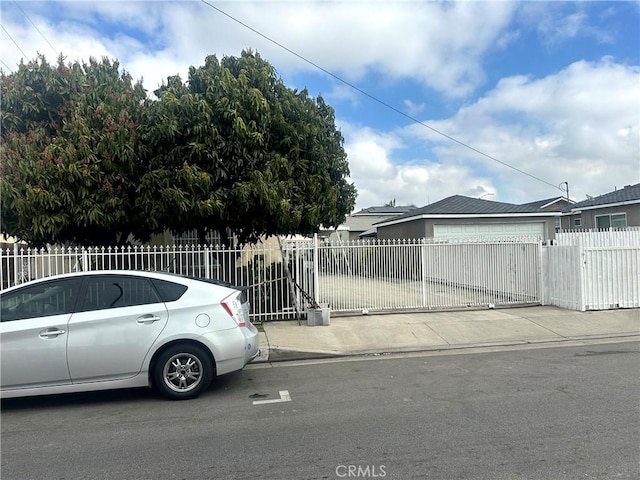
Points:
(488, 230)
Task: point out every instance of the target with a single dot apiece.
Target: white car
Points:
(119, 329)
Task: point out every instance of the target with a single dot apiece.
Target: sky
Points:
(501, 100)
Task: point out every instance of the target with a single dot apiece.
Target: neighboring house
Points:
(188, 238)
(6, 242)
(553, 204)
(617, 209)
(460, 217)
(361, 224)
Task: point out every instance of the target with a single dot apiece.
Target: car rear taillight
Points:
(233, 308)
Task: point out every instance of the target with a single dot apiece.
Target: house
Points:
(553, 204)
(361, 224)
(460, 217)
(617, 209)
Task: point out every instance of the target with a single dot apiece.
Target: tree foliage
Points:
(234, 148)
(88, 158)
(69, 168)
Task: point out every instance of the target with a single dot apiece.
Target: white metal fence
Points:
(283, 279)
(580, 271)
(417, 274)
(259, 268)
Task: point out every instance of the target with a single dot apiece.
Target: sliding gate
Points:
(396, 275)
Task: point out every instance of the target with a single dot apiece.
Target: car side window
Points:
(111, 291)
(55, 297)
(168, 291)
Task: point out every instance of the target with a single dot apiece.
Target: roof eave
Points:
(426, 216)
(559, 199)
(605, 205)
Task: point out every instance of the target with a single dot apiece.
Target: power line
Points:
(35, 26)
(376, 99)
(7, 66)
(14, 42)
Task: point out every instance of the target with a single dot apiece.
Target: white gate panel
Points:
(408, 274)
(614, 275)
(562, 277)
(593, 270)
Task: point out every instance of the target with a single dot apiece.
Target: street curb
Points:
(277, 355)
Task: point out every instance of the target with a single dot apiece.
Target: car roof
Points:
(172, 277)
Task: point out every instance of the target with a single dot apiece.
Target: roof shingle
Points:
(626, 194)
(459, 204)
(386, 210)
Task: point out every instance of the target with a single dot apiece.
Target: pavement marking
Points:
(284, 397)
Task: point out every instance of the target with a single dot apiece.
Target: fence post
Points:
(299, 255)
(542, 264)
(423, 252)
(207, 262)
(582, 277)
(85, 260)
(15, 264)
(316, 276)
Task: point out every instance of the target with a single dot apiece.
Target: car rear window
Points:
(168, 291)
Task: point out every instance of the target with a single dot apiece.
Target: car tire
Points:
(183, 372)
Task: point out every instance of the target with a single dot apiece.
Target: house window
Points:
(577, 222)
(615, 220)
(191, 238)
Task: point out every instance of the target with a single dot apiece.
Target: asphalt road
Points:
(554, 413)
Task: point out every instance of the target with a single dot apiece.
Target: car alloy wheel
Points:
(182, 372)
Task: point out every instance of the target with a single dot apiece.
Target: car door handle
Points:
(147, 319)
(50, 333)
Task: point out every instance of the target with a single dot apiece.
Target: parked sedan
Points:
(119, 329)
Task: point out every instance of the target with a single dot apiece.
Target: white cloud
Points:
(137, 15)
(369, 152)
(580, 125)
(342, 93)
(559, 22)
(399, 39)
(556, 30)
(413, 109)
(380, 179)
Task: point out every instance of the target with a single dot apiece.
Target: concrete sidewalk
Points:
(433, 331)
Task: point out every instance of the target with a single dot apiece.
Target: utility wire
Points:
(376, 99)
(7, 66)
(14, 42)
(36, 27)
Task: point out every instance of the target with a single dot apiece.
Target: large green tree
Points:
(68, 166)
(88, 158)
(233, 147)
